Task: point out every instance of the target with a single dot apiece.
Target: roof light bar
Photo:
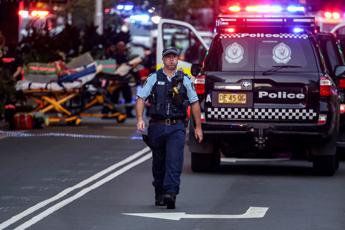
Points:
(331, 16)
(264, 9)
(299, 23)
(296, 9)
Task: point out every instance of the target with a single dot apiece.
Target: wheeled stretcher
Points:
(112, 78)
(68, 98)
(54, 98)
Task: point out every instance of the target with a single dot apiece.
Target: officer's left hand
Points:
(198, 134)
(140, 125)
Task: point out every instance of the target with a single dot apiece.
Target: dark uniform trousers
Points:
(167, 145)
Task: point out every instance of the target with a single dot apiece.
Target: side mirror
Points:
(339, 70)
(196, 68)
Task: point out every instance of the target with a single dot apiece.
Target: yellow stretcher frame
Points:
(99, 100)
(47, 101)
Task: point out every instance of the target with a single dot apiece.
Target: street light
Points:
(99, 16)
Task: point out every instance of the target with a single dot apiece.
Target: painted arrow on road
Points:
(252, 212)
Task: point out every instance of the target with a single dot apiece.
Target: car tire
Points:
(324, 153)
(204, 162)
(325, 165)
(341, 144)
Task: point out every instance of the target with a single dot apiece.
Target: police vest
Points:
(165, 102)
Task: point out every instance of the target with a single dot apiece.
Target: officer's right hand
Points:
(140, 125)
(198, 134)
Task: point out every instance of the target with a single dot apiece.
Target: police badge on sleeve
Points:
(234, 53)
(281, 53)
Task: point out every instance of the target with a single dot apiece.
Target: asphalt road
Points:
(98, 176)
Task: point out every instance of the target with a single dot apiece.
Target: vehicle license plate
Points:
(232, 98)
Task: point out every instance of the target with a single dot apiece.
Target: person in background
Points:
(10, 71)
(121, 56)
(13, 61)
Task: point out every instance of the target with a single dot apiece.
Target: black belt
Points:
(168, 121)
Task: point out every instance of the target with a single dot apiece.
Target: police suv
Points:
(264, 88)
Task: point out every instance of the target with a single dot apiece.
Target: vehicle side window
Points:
(332, 58)
(341, 31)
(191, 49)
(341, 53)
(323, 65)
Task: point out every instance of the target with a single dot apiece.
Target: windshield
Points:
(261, 52)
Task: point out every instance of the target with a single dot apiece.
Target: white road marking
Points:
(234, 160)
(63, 203)
(72, 135)
(118, 127)
(251, 213)
(44, 203)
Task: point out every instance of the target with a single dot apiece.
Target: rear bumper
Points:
(238, 128)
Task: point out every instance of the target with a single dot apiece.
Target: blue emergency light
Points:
(295, 9)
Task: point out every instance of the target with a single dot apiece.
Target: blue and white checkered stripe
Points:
(261, 114)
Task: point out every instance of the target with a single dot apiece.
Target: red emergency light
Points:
(336, 15)
(235, 8)
(39, 13)
(23, 13)
(332, 15)
(34, 13)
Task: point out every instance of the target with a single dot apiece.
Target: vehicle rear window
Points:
(261, 52)
(288, 49)
(230, 54)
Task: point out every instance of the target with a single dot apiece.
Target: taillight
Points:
(199, 83)
(322, 119)
(325, 86)
(342, 108)
(203, 118)
(342, 83)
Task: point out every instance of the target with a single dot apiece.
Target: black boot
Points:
(159, 200)
(170, 200)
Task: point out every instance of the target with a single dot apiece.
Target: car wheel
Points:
(341, 145)
(204, 162)
(325, 165)
(325, 161)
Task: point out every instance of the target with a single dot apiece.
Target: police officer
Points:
(170, 92)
